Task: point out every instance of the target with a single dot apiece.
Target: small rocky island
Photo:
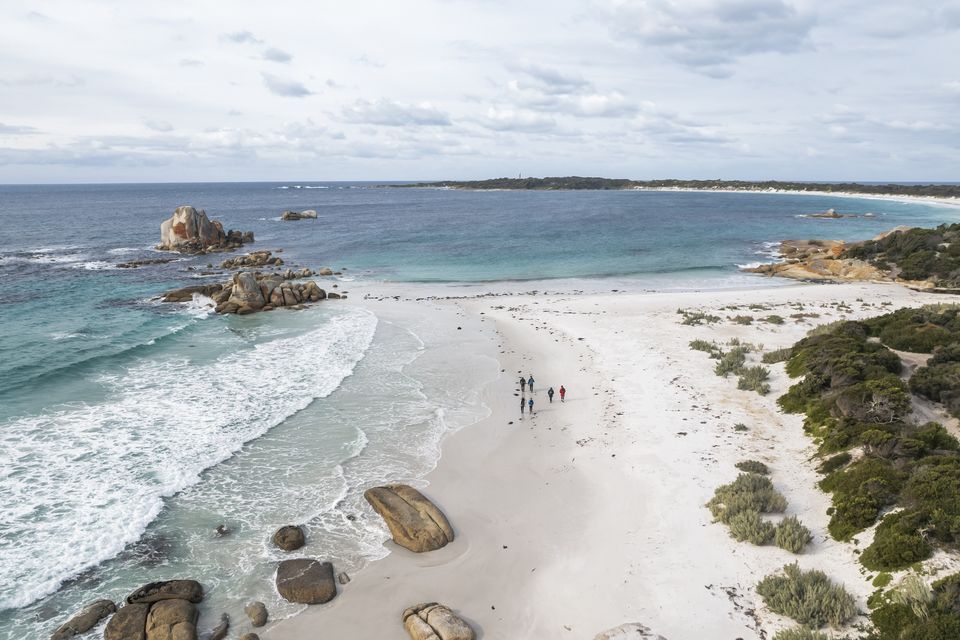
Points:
(309, 214)
(190, 231)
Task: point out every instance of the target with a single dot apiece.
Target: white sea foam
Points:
(122, 250)
(94, 265)
(91, 477)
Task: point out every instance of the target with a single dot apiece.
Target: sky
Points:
(119, 91)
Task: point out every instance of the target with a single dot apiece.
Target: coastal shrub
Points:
(891, 620)
(933, 489)
(808, 597)
(694, 318)
(773, 319)
(742, 319)
(914, 611)
(749, 492)
(791, 535)
(707, 346)
(913, 592)
(860, 492)
(918, 330)
(754, 379)
(748, 526)
(946, 353)
(897, 543)
(777, 355)
(939, 383)
(740, 427)
(731, 362)
(753, 466)
(883, 579)
(800, 633)
(833, 463)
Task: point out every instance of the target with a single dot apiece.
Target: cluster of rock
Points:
(135, 264)
(309, 214)
(249, 292)
(432, 621)
(190, 231)
(86, 619)
(158, 611)
(819, 260)
(253, 259)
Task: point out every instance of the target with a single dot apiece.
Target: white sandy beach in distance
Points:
(590, 514)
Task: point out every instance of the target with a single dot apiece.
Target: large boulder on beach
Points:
(289, 537)
(306, 581)
(86, 619)
(191, 229)
(189, 590)
(128, 623)
(172, 620)
(257, 612)
(432, 621)
(414, 522)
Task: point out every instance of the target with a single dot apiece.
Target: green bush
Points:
(753, 466)
(749, 492)
(890, 620)
(777, 355)
(835, 462)
(934, 490)
(916, 612)
(731, 362)
(697, 317)
(800, 633)
(860, 491)
(748, 526)
(754, 379)
(742, 319)
(791, 535)
(897, 543)
(940, 383)
(918, 330)
(808, 597)
(773, 319)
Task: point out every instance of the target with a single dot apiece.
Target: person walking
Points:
(550, 394)
(563, 392)
(530, 383)
(530, 405)
(523, 403)
(523, 384)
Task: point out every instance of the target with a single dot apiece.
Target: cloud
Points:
(190, 62)
(284, 87)
(394, 114)
(240, 37)
(35, 80)
(276, 55)
(158, 125)
(552, 80)
(709, 36)
(369, 62)
(499, 119)
(545, 89)
(17, 130)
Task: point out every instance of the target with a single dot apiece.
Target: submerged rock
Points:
(432, 621)
(414, 522)
(306, 581)
(289, 537)
(220, 631)
(85, 620)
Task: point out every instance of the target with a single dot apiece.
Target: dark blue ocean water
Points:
(122, 418)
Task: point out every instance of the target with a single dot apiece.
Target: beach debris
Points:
(222, 530)
(306, 581)
(432, 621)
(289, 537)
(257, 612)
(190, 231)
(414, 522)
(308, 214)
(629, 631)
(219, 632)
(86, 619)
(343, 578)
(128, 623)
(189, 590)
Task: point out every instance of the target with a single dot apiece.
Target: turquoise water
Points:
(130, 428)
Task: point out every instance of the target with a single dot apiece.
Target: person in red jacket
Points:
(563, 393)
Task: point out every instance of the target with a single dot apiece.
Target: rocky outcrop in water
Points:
(253, 259)
(289, 537)
(136, 264)
(85, 620)
(432, 621)
(309, 214)
(306, 581)
(249, 292)
(414, 522)
(220, 631)
(819, 260)
(190, 231)
(158, 611)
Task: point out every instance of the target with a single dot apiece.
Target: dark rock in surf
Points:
(289, 537)
(306, 581)
(189, 590)
(128, 623)
(85, 620)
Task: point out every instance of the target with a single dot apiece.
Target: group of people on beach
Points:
(527, 403)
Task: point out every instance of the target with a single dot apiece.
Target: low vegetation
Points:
(696, 317)
(791, 535)
(916, 254)
(914, 611)
(749, 492)
(776, 356)
(753, 466)
(800, 633)
(808, 597)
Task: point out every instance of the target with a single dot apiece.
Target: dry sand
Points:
(590, 514)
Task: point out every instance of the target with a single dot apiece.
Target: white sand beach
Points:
(591, 514)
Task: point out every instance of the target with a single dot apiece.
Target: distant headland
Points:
(587, 183)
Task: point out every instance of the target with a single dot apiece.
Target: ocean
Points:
(130, 429)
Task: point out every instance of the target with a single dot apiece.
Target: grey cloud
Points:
(554, 91)
(241, 37)
(553, 80)
(158, 125)
(369, 62)
(276, 55)
(17, 130)
(190, 62)
(31, 80)
(498, 119)
(284, 87)
(394, 114)
(709, 37)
